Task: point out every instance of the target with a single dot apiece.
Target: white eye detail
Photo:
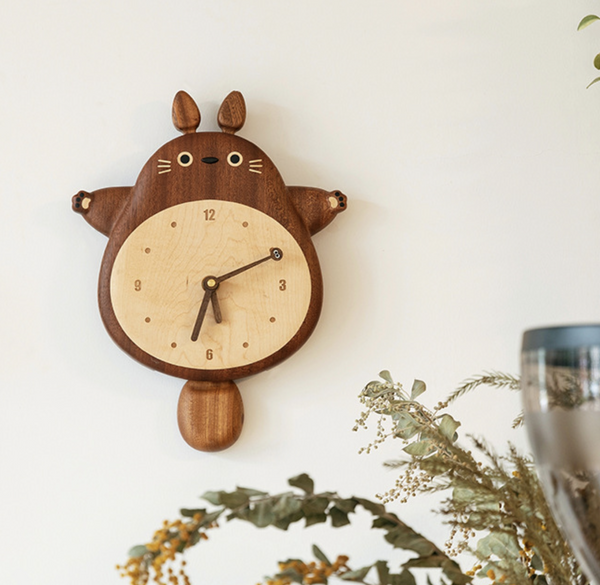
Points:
(235, 159)
(185, 159)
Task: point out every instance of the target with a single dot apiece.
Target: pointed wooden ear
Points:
(232, 113)
(185, 113)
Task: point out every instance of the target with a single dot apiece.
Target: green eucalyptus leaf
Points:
(501, 544)
(191, 512)
(320, 555)
(448, 427)
(304, 482)
(404, 578)
(418, 388)
(283, 523)
(357, 575)
(338, 518)
(287, 505)
(235, 499)
(348, 505)
(587, 20)
(593, 82)
(386, 376)
(383, 572)
(420, 448)
(405, 538)
(251, 493)
(453, 572)
(315, 519)
(137, 551)
(262, 514)
(597, 61)
(210, 518)
(373, 507)
(315, 505)
(384, 523)
(212, 497)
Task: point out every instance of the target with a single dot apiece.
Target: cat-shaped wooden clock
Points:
(209, 273)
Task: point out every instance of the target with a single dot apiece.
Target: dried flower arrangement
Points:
(496, 499)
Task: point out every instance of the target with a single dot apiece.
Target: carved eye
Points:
(234, 159)
(185, 159)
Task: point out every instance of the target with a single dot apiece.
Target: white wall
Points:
(468, 146)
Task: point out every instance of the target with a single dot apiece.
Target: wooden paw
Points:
(81, 202)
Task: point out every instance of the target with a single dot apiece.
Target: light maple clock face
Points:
(174, 294)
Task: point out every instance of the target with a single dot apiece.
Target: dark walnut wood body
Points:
(163, 183)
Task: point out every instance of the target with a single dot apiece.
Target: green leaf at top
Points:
(586, 21)
(386, 376)
(304, 482)
(592, 83)
(418, 388)
(320, 555)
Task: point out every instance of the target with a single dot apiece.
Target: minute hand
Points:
(275, 254)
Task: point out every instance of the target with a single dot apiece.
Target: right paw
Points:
(81, 202)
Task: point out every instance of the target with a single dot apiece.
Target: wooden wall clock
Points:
(209, 273)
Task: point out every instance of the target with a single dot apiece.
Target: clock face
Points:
(159, 281)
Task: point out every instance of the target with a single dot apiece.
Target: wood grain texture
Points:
(210, 415)
(102, 207)
(232, 113)
(185, 113)
(157, 190)
(317, 207)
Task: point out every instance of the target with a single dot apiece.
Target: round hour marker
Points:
(173, 224)
(245, 344)
(173, 345)
(245, 224)
(147, 319)
(272, 319)
(147, 250)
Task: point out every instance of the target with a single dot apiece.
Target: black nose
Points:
(210, 160)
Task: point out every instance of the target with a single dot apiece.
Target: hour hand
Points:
(216, 308)
(202, 313)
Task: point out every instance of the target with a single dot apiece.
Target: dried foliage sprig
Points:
(496, 498)
(159, 561)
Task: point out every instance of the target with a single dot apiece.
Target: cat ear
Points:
(185, 113)
(232, 113)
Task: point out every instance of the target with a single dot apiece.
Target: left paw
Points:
(81, 202)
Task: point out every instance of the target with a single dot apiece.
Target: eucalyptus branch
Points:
(148, 562)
